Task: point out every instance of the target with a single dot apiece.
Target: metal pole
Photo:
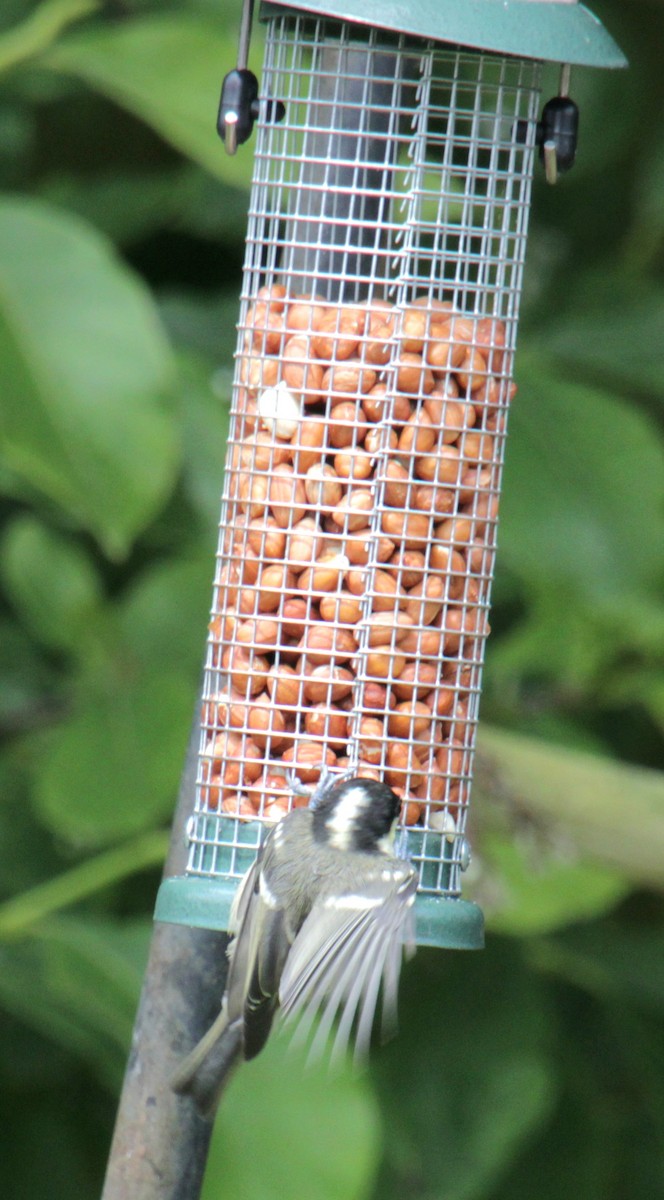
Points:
(160, 1144)
(333, 233)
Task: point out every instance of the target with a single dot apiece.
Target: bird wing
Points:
(348, 946)
(258, 953)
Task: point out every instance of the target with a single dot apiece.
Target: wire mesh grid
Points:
(384, 254)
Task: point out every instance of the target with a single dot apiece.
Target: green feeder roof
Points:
(562, 31)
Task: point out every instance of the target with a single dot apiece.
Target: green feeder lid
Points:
(561, 31)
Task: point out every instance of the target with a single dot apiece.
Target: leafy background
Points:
(533, 1068)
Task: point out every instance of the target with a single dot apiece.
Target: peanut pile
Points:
(351, 599)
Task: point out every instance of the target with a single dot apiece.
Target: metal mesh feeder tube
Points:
(384, 257)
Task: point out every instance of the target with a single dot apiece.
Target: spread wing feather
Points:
(339, 959)
(330, 986)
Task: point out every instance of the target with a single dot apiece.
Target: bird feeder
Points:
(394, 149)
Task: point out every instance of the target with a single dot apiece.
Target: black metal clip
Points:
(239, 104)
(556, 132)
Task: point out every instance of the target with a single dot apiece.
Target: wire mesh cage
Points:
(378, 318)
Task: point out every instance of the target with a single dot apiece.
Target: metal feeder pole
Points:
(326, 198)
(160, 1143)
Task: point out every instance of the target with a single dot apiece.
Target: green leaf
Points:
(605, 810)
(83, 361)
(41, 28)
(167, 69)
(114, 767)
(613, 332)
(205, 417)
(290, 1130)
(534, 892)
(168, 606)
(617, 960)
(30, 907)
(584, 484)
(126, 206)
(29, 684)
(50, 580)
(468, 1079)
(77, 982)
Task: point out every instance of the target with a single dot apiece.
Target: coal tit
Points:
(319, 922)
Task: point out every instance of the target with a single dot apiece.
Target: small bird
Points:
(321, 920)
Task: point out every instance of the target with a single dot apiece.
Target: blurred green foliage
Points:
(535, 1068)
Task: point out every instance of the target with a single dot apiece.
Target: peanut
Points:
(265, 538)
(324, 575)
(338, 334)
(410, 529)
(442, 467)
(302, 317)
(415, 680)
(284, 686)
(257, 373)
(376, 405)
(341, 607)
(322, 486)
(353, 511)
(403, 765)
(258, 633)
(326, 643)
(266, 724)
(262, 453)
(354, 377)
(410, 719)
(248, 671)
(425, 600)
(326, 722)
(375, 441)
(357, 546)
(490, 337)
(413, 375)
(371, 739)
(328, 683)
(253, 493)
(435, 500)
(387, 627)
(397, 483)
(308, 759)
(382, 664)
(344, 429)
(408, 566)
(353, 465)
(308, 442)
(274, 582)
(293, 614)
(303, 543)
(471, 372)
(286, 496)
(235, 759)
(299, 372)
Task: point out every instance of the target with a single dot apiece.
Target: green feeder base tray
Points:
(205, 903)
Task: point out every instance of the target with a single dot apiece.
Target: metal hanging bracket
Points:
(239, 105)
(556, 132)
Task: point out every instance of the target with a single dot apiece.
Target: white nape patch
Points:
(386, 844)
(268, 897)
(344, 817)
(353, 902)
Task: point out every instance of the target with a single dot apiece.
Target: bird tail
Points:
(208, 1068)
